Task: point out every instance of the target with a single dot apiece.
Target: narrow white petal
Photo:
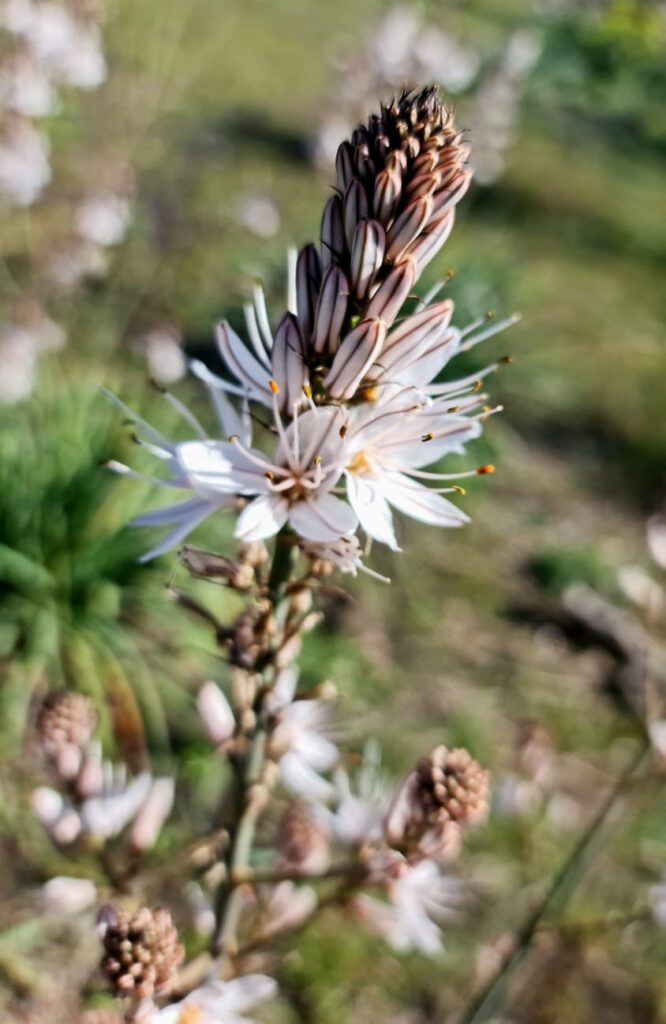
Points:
(372, 510)
(263, 517)
(183, 530)
(298, 776)
(324, 519)
(421, 503)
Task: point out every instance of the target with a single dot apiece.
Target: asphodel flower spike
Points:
(399, 178)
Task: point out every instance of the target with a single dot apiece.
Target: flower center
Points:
(359, 463)
(190, 1015)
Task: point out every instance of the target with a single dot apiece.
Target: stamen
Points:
(282, 433)
(307, 391)
(258, 460)
(428, 437)
(484, 470)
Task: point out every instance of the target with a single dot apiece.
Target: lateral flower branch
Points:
(348, 388)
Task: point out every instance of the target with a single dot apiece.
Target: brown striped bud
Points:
(388, 188)
(356, 354)
(344, 166)
(367, 256)
(431, 239)
(354, 209)
(287, 363)
(308, 283)
(332, 233)
(389, 297)
(406, 227)
(331, 311)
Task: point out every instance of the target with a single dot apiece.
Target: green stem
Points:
(487, 1001)
(249, 778)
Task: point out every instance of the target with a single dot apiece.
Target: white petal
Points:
(214, 467)
(372, 510)
(230, 420)
(215, 713)
(263, 517)
(298, 776)
(420, 503)
(324, 519)
(174, 538)
(243, 993)
(240, 361)
(152, 814)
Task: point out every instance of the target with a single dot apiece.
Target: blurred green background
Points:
(216, 108)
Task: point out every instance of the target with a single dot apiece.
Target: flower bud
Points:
(141, 952)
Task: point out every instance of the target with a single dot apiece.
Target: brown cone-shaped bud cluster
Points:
(141, 952)
(398, 180)
(65, 720)
(452, 786)
(446, 791)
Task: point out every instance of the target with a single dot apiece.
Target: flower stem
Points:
(251, 786)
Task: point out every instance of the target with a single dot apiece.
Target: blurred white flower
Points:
(220, 1002)
(102, 816)
(152, 814)
(360, 801)
(641, 589)
(103, 219)
(258, 213)
(63, 895)
(419, 897)
(18, 359)
(24, 162)
(657, 902)
(162, 347)
(656, 539)
(287, 907)
(301, 739)
(25, 89)
(69, 49)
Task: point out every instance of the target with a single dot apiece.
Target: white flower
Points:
(24, 163)
(418, 897)
(220, 1002)
(387, 445)
(67, 48)
(103, 219)
(103, 815)
(25, 89)
(300, 739)
(356, 818)
(293, 486)
(64, 895)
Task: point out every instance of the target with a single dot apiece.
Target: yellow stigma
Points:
(274, 386)
(317, 460)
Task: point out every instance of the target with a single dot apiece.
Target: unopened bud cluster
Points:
(446, 791)
(141, 952)
(65, 723)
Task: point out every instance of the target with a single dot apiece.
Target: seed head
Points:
(452, 786)
(446, 791)
(141, 952)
